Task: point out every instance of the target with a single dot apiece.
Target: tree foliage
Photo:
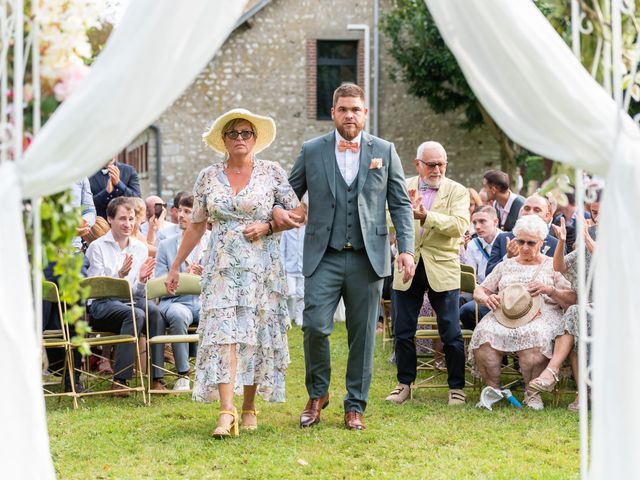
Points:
(425, 63)
(431, 72)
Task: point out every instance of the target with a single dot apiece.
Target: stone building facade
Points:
(268, 66)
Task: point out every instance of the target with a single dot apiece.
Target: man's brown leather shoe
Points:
(311, 413)
(353, 420)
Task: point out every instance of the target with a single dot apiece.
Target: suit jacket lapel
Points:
(441, 196)
(366, 154)
(329, 160)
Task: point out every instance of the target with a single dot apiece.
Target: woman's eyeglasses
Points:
(531, 243)
(244, 134)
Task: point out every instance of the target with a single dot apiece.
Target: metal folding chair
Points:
(58, 339)
(120, 289)
(188, 285)
(436, 376)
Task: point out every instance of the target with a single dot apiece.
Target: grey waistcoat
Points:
(346, 222)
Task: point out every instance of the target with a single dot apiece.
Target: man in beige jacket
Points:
(441, 216)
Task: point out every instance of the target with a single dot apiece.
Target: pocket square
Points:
(375, 163)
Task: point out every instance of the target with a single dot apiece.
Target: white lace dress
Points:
(243, 284)
(539, 332)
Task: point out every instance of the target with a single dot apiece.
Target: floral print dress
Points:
(243, 284)
(539, 332)
(571, 318)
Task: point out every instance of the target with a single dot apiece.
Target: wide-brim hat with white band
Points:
(265, 130)
(517, 306)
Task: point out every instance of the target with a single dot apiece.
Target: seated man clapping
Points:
(117, 254)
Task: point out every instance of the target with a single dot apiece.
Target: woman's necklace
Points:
(236, 170)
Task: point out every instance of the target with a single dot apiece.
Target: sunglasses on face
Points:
(244, 134)
(530, 243)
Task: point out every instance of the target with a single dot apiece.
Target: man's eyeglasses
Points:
(433, 165)
(244, 134)
(531, 243)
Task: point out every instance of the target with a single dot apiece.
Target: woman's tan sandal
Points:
(230, 430)
(539, 384)
(249, 427)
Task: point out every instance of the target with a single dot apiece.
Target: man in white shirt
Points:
(117, 254)
(183, 310)
(485, 223)
(508, 204)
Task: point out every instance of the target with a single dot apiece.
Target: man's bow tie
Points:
(344, 145)
(423, 187)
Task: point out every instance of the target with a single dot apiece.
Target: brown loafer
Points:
(353, 420)
(311, 413)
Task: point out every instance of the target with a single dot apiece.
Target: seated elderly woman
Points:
(526, 298)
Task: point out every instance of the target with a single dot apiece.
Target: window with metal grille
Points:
(137, 157)
(337, 63)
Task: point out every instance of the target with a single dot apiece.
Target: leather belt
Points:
(348, 246)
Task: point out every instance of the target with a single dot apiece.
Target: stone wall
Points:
(261, 67)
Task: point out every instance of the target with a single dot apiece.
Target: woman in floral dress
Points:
(244, 318)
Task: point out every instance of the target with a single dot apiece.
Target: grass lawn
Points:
(119, 438)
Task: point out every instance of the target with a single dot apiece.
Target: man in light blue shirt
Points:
(181, 311)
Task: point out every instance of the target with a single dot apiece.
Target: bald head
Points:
(538, 205)
(151, 201)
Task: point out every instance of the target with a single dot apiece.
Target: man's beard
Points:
(348, 136)
(435, 184)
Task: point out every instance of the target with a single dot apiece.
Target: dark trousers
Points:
(347, 274)
(468, 314)
(405, 310)
(115, 316)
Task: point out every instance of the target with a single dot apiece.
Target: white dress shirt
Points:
(105, 259)
(348, 161)
(504, 212)
(474, 257)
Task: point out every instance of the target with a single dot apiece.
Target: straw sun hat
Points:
(517, 306)
(265, 130)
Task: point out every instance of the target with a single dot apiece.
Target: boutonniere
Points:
(375, 163)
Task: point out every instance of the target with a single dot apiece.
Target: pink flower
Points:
(70, 80)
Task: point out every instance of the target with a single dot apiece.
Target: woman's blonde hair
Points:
(474, 196)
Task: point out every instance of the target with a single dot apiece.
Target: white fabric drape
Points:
(539, 94)
(152, 56)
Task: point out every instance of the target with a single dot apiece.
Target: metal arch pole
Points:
(367, 74)
(582, 351)
(36, 202)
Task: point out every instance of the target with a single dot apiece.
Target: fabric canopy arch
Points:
(541, 96)
(155, 52)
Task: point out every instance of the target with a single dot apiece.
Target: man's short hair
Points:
(112, 207)
(348, 90)
(488, 209)
(178, 197)
(498, 179)
(186, 201)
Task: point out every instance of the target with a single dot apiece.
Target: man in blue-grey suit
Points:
(183, 310)
(350, 177)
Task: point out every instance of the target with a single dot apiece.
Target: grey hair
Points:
(532, 225)
(431, 145)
